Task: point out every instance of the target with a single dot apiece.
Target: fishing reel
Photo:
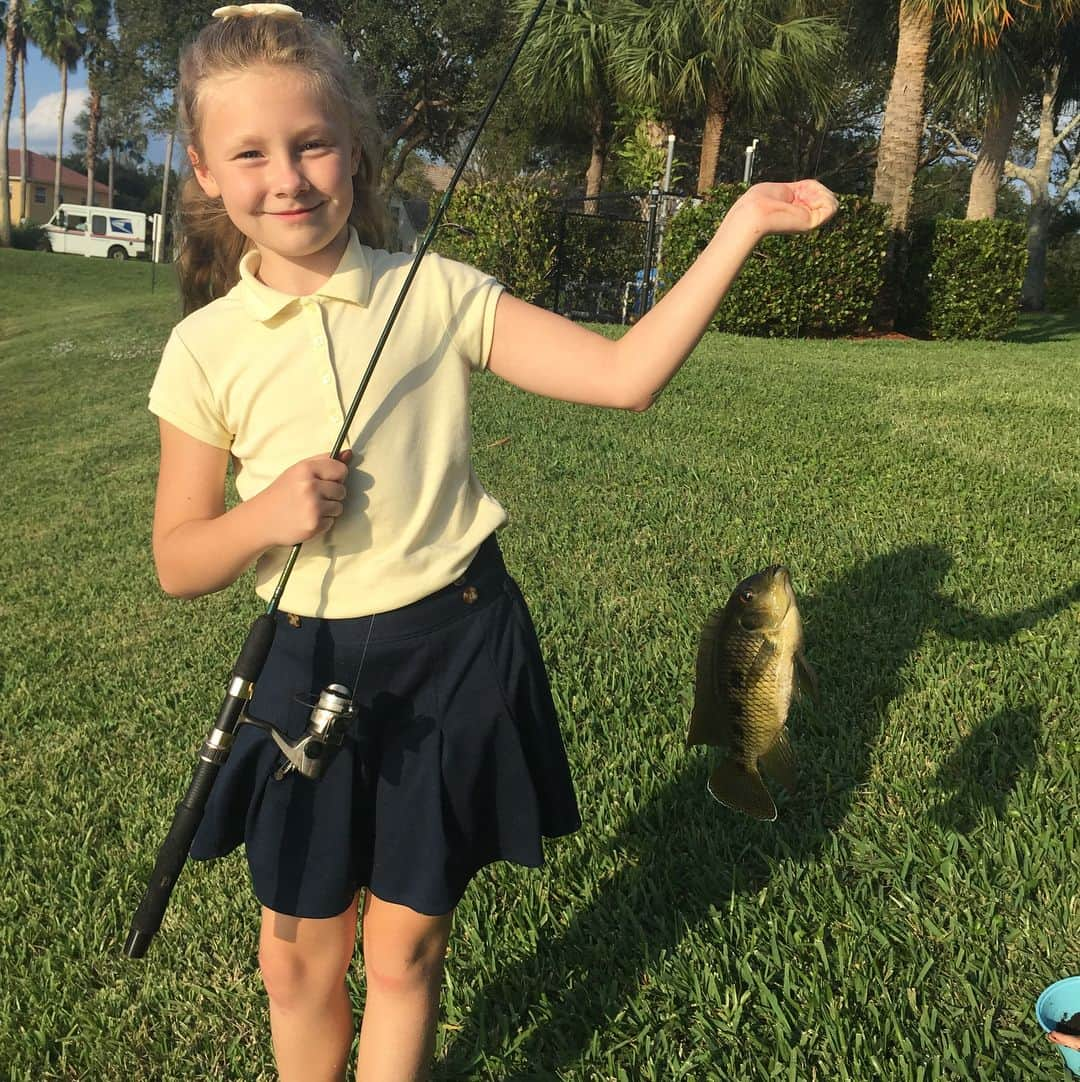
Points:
(331, 715)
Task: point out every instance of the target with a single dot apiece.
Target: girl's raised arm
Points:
(545, 353)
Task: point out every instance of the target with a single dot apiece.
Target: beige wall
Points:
(40, 198)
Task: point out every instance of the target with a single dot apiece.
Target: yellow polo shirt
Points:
(269, 376)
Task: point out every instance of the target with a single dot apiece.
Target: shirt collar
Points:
(351, 282)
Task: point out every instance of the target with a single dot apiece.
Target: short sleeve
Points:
(181, 394)
(473, 297)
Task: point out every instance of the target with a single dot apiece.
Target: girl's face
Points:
(282, 163)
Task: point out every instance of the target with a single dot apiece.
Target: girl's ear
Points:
(202, 174)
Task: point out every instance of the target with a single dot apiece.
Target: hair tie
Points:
(238, 11)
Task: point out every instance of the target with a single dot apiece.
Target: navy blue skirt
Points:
(454, 760)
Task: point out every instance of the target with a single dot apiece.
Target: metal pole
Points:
(670, 160)
(645, 300)
(560, 245)
(748, 167)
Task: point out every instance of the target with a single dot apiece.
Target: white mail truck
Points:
(100, 231)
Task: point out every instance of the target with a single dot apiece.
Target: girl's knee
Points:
(403, 951)
(303, 962)
(401, 968)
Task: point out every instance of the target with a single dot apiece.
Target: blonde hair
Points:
(210, 245)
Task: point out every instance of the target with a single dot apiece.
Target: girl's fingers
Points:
(331, 490)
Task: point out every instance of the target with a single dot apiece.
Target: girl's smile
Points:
(282, 163)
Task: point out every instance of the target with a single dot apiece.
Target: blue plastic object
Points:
(1059, 1001)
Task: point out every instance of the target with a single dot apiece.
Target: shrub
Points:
(963, 278)
(1063, 275)
(507, 230)
(822, 283)
(28, 235)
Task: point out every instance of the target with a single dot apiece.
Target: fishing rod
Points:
(333, 711)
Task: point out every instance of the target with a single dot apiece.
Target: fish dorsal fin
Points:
(807, 678)
(779, 761)
(705, 719)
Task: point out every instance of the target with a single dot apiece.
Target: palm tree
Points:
(975, 24)
(54, 27)
(24, 192)
(11, 22)
(98, 53)
(729, 55)
(1004, 78)
(564, 71)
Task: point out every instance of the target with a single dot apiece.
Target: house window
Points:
(39, 194)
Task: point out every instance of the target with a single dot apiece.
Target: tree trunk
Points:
(60, 134)
(997, 138)
(165, 193)
(905, 112)
(594, 177)
(1033, 292)
(717, 107)
(94, 119)
(112, 172)
(5, 121)
(24, 180)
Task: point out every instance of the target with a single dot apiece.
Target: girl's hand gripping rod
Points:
(311, 754)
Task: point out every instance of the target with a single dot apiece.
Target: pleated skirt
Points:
(453, 761)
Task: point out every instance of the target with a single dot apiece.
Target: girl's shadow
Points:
(681, 855)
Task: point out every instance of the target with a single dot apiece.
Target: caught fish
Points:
(750, 661)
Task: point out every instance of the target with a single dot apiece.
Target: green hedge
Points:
(963, 278)
(823, 283)
(1063, 275)
(27, 235)
(959, 279)
(507, 230)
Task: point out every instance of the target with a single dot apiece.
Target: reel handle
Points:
(189, 812)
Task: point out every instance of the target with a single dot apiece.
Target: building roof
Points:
(42, 170)
(438, 176)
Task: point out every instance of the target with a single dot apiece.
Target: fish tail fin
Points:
(740, 787)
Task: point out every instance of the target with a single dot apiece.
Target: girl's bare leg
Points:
(303, 962)
(403, 967)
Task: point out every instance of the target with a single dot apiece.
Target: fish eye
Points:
(746, 595)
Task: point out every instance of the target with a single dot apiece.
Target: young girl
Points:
(455, 759)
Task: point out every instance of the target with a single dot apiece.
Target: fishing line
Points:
(360, 667)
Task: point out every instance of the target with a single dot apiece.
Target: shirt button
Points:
(470, 594)
(326, 379)
(318, 340)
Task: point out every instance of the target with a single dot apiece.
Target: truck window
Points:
(98, 226)
(76, 221)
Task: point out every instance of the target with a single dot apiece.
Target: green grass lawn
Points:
(896, 922)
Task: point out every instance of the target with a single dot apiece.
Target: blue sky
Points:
(43, 103)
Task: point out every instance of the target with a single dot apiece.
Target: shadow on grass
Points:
(682, 856)
(1035, 328)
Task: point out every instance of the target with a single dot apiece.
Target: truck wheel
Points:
(43, 245)
(117, 253)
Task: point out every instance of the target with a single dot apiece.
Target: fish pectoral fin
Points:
(779, 761)
(766, 652)
(806, 677)
(741, 788)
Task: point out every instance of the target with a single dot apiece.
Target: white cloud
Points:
(41, 120)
